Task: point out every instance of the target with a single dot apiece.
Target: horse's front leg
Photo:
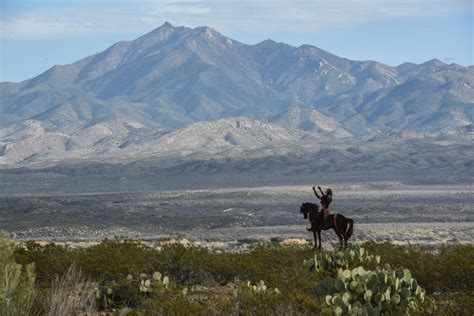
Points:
(319, 238)
(315, 238)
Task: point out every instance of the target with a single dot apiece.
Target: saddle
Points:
(322, 216)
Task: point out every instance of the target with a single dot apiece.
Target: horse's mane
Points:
(311, 205)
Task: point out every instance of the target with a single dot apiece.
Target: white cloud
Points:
(38, 26)
(79, 18)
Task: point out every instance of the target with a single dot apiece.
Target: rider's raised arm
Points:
(316, 193)
(321, 191)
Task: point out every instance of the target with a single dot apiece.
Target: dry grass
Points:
(71, 294)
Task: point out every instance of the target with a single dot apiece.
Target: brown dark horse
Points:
(342, 225)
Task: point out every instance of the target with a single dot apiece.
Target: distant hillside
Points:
(133, 93)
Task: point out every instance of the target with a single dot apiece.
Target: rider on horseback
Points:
(325, 200)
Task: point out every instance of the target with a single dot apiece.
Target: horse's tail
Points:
(349, 227)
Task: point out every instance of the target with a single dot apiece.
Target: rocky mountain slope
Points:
(178, 90)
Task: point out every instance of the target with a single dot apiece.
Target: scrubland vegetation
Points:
(125, 277)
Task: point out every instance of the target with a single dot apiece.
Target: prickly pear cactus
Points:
(103, 296)
(147, 283)
(261, 288)
(360, 291)
(352, 255)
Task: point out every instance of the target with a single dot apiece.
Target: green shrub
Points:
(115, 259)
(216, 281)
(438, 269)
(17, 289)
(455, 303)
(50, 260)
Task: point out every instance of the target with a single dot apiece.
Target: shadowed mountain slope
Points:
(173, 76)
(193, 85)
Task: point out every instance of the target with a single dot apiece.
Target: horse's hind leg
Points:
(338, 231)
(344, 240)
(342, 237)
(347, 232)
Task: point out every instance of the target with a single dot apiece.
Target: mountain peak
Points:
(434, 62)
(210, 35)
(271, 44)
(206, 30)
(267, 42)
(166, 25)
(160, 33)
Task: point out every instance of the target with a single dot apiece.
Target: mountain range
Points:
(179, 91)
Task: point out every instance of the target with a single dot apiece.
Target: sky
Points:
(37, 34)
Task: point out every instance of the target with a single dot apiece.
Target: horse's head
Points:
(306, 208)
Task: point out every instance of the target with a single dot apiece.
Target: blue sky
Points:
(37, 34)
